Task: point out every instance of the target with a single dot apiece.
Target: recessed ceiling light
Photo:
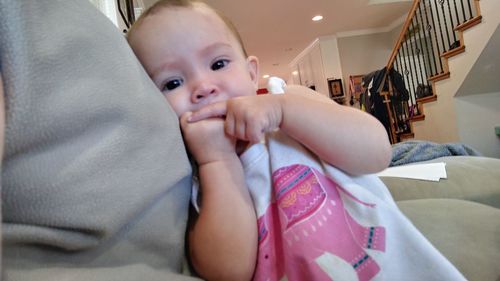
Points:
(265, 76)
(317, 18)
(295, 72)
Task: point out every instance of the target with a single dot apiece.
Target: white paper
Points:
(429, 171)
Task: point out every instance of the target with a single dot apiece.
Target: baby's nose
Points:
(203, 91)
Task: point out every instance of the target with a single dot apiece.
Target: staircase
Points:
(438, 45)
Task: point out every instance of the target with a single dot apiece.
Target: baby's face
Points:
(193, 58)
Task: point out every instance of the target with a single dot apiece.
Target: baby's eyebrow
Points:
(169, 64)
(214, 46)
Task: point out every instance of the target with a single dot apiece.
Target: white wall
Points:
(479, 114)
(477, 101)
(394, 33)
(363, 54)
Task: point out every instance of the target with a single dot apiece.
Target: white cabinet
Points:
(305, 72)
(294, 77)
(317, 70)
(317, 63)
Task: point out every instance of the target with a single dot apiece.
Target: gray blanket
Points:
(416, 151)
(95, 178)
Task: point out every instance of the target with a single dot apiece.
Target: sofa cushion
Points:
(95, 178)
(467, 233)
(471, 178)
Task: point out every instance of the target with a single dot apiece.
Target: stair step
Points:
(427, 99)
(439, 77)
(470, 23)
(420, 117)
(453, 52)
(406, 136)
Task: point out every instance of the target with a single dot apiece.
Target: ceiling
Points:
(276, 31)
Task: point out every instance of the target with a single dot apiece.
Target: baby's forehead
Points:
(224, 23)
(199, 15)
(197, 22)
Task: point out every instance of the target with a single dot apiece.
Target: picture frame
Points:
(356, 86)
(335, 88)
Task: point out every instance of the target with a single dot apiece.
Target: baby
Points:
(281, 191)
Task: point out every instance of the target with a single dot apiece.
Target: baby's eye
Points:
(172, 84)
(219, 64)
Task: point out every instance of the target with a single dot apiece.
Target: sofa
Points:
(460, 215)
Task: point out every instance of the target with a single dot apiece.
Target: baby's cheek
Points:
(178, 105)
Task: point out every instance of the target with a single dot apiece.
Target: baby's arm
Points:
(345, 137)
(223, 239)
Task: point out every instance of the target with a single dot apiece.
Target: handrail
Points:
(406, 25)
(427, 39)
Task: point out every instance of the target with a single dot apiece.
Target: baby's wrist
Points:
(282, 102)
(222, 160)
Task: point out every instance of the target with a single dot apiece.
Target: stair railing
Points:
(126, 10)
(428, 37)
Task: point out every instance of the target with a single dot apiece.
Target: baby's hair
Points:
(163, 4)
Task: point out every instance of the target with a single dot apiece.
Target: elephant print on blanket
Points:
(307, 233)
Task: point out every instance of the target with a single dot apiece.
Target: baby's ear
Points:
(253, 69)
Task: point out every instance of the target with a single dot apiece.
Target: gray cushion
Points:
(95, 178)
(467, 233)
(471, 178)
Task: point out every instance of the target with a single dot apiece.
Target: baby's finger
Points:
(254, 133)
(184, 118)
(240, 130)
(217, 109)
(229, 125)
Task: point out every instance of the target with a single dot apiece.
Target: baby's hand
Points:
(206, 139)
(248, 117)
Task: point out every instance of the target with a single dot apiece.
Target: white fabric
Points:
(407, 256)
(276, 85)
